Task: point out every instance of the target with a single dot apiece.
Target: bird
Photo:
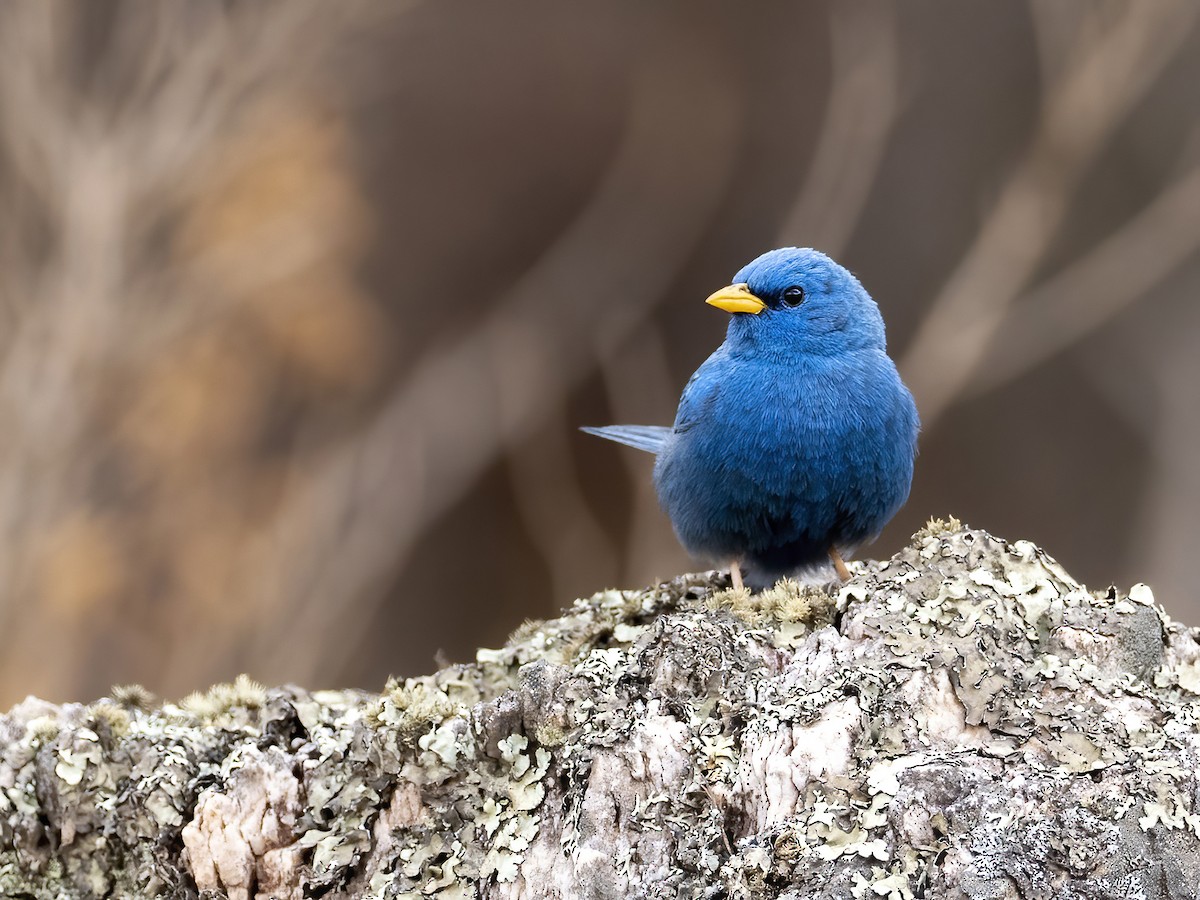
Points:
(794, 442)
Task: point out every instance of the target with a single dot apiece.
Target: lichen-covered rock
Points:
(961, 721)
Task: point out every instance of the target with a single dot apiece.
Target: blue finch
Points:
(794, 441)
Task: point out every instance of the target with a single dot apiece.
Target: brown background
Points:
(301, 304)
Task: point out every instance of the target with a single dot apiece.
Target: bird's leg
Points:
(735, 575)
(836, 558)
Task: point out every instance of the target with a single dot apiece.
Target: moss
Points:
(411, 707)
(789, 610)
(226, 704)
(935, 528)
(133, 696)
(110, 720)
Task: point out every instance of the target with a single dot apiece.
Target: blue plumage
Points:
(795, 440)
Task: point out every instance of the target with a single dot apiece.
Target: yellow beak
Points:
(736, 299)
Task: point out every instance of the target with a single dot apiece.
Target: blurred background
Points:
(302, 304)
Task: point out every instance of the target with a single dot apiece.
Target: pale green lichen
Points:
(1050, 675)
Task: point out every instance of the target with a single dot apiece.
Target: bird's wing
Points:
(644, 437)
(698, 394)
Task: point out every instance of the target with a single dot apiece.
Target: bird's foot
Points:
(839, 564)
(735, 575)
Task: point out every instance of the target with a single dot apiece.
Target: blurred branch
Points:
(365, 505)
(1118, 53)
(1077, 301)
(860, 112)
(109, 117)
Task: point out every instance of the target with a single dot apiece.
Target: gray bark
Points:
(962, 721)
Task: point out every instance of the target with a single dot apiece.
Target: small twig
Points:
(1077, 301)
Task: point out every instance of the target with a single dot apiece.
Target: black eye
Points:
(794, 295)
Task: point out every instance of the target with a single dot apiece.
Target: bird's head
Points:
(800, 299)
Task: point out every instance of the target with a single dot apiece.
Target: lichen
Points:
(963, 717)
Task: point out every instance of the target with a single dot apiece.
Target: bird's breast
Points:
(789, 459)
(774, 430)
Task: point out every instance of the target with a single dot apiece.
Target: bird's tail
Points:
(644, 437)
